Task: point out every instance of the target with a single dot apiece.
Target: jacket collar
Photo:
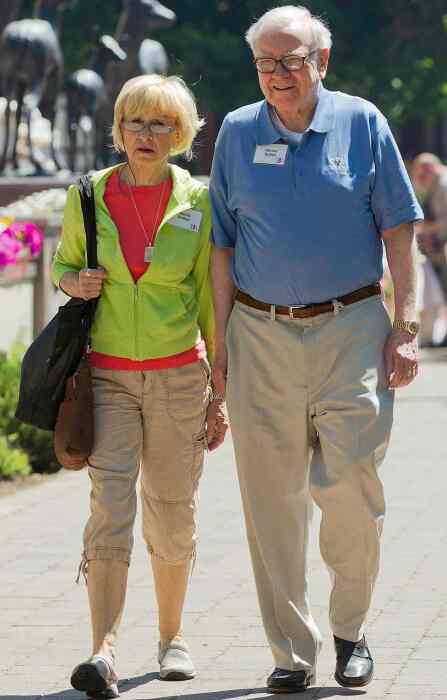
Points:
(322, 121)
(183, 187)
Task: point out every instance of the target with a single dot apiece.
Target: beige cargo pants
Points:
(151, 422)
(310, 417)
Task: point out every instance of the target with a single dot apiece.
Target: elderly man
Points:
(306, 185)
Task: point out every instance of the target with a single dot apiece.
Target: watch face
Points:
(413, 327)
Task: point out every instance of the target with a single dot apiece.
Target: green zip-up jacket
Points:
(170, 306)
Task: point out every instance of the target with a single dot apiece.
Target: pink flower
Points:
(20, 240)
(10, 248)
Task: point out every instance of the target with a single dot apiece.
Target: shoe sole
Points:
(353, 684)
(288, 689)
(87, 679)
(177, 676)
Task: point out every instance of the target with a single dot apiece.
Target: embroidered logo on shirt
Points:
(338, 163)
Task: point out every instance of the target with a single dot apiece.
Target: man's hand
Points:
(401, 358)
(216, 424)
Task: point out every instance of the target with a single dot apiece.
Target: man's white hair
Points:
(293, 18)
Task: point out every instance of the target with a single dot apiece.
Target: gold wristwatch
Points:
(411, 327)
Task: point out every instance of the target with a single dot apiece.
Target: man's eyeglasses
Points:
(292, 62)
(137, 126)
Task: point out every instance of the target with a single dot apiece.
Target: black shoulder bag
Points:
(55, 355)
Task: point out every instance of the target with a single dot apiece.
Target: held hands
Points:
(401, 358)
(216, 419)
(216, 424)
(90, 282)
(219, 370)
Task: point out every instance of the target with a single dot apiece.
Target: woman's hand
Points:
(86, 284)
(90, 283)
(219, 370)
(216, 424)
(216, 417)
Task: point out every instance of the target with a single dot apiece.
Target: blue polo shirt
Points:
(309, 230)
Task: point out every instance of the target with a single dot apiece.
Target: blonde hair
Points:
(292, 18)
(158, 95)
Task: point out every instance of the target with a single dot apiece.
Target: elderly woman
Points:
(151, 337)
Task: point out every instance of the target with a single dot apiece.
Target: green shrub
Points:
(13, 462)
(37, 444)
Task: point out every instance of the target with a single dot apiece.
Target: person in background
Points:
(430, 180)
(305, 187)
(151, 342)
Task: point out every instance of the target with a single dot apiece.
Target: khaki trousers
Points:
(155, 421)
(310, 417)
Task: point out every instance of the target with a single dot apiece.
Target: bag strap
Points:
(85, 187)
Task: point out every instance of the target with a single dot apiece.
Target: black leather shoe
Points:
(355, 666)
(284, 681)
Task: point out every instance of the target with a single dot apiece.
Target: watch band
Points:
(411, 327)
(217, 397)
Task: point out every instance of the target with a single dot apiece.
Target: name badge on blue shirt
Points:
(273, 154)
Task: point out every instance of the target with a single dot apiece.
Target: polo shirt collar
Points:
(266, 130)
(322, 121)
(324, 117)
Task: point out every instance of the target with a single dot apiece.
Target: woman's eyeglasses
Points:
(137, 126)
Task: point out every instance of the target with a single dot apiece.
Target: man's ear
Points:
(323, 60)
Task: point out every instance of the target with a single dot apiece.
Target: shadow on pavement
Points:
(62, 694)
(337, 691)
(130, 683)
(314, 693)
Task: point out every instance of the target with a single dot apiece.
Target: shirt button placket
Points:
(297, 170)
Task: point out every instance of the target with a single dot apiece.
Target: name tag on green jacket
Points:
(189, 220)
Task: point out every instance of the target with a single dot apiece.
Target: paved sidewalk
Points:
(44, 628)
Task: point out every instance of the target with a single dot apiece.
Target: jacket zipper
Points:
(136, 320)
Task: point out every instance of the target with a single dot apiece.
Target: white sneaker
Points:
(175, 661)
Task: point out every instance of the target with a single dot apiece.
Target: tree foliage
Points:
(392, 52)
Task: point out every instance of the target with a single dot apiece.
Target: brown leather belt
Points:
(311, 309)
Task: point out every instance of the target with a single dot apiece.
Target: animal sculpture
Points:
(31, 67)
(144, 55)
(87, 97)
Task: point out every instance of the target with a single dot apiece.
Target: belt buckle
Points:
(292, 309)
(337, 305)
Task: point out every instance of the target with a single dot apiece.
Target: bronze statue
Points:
(31, 67)
(31, 73)
(87, 97)
(143, 55)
